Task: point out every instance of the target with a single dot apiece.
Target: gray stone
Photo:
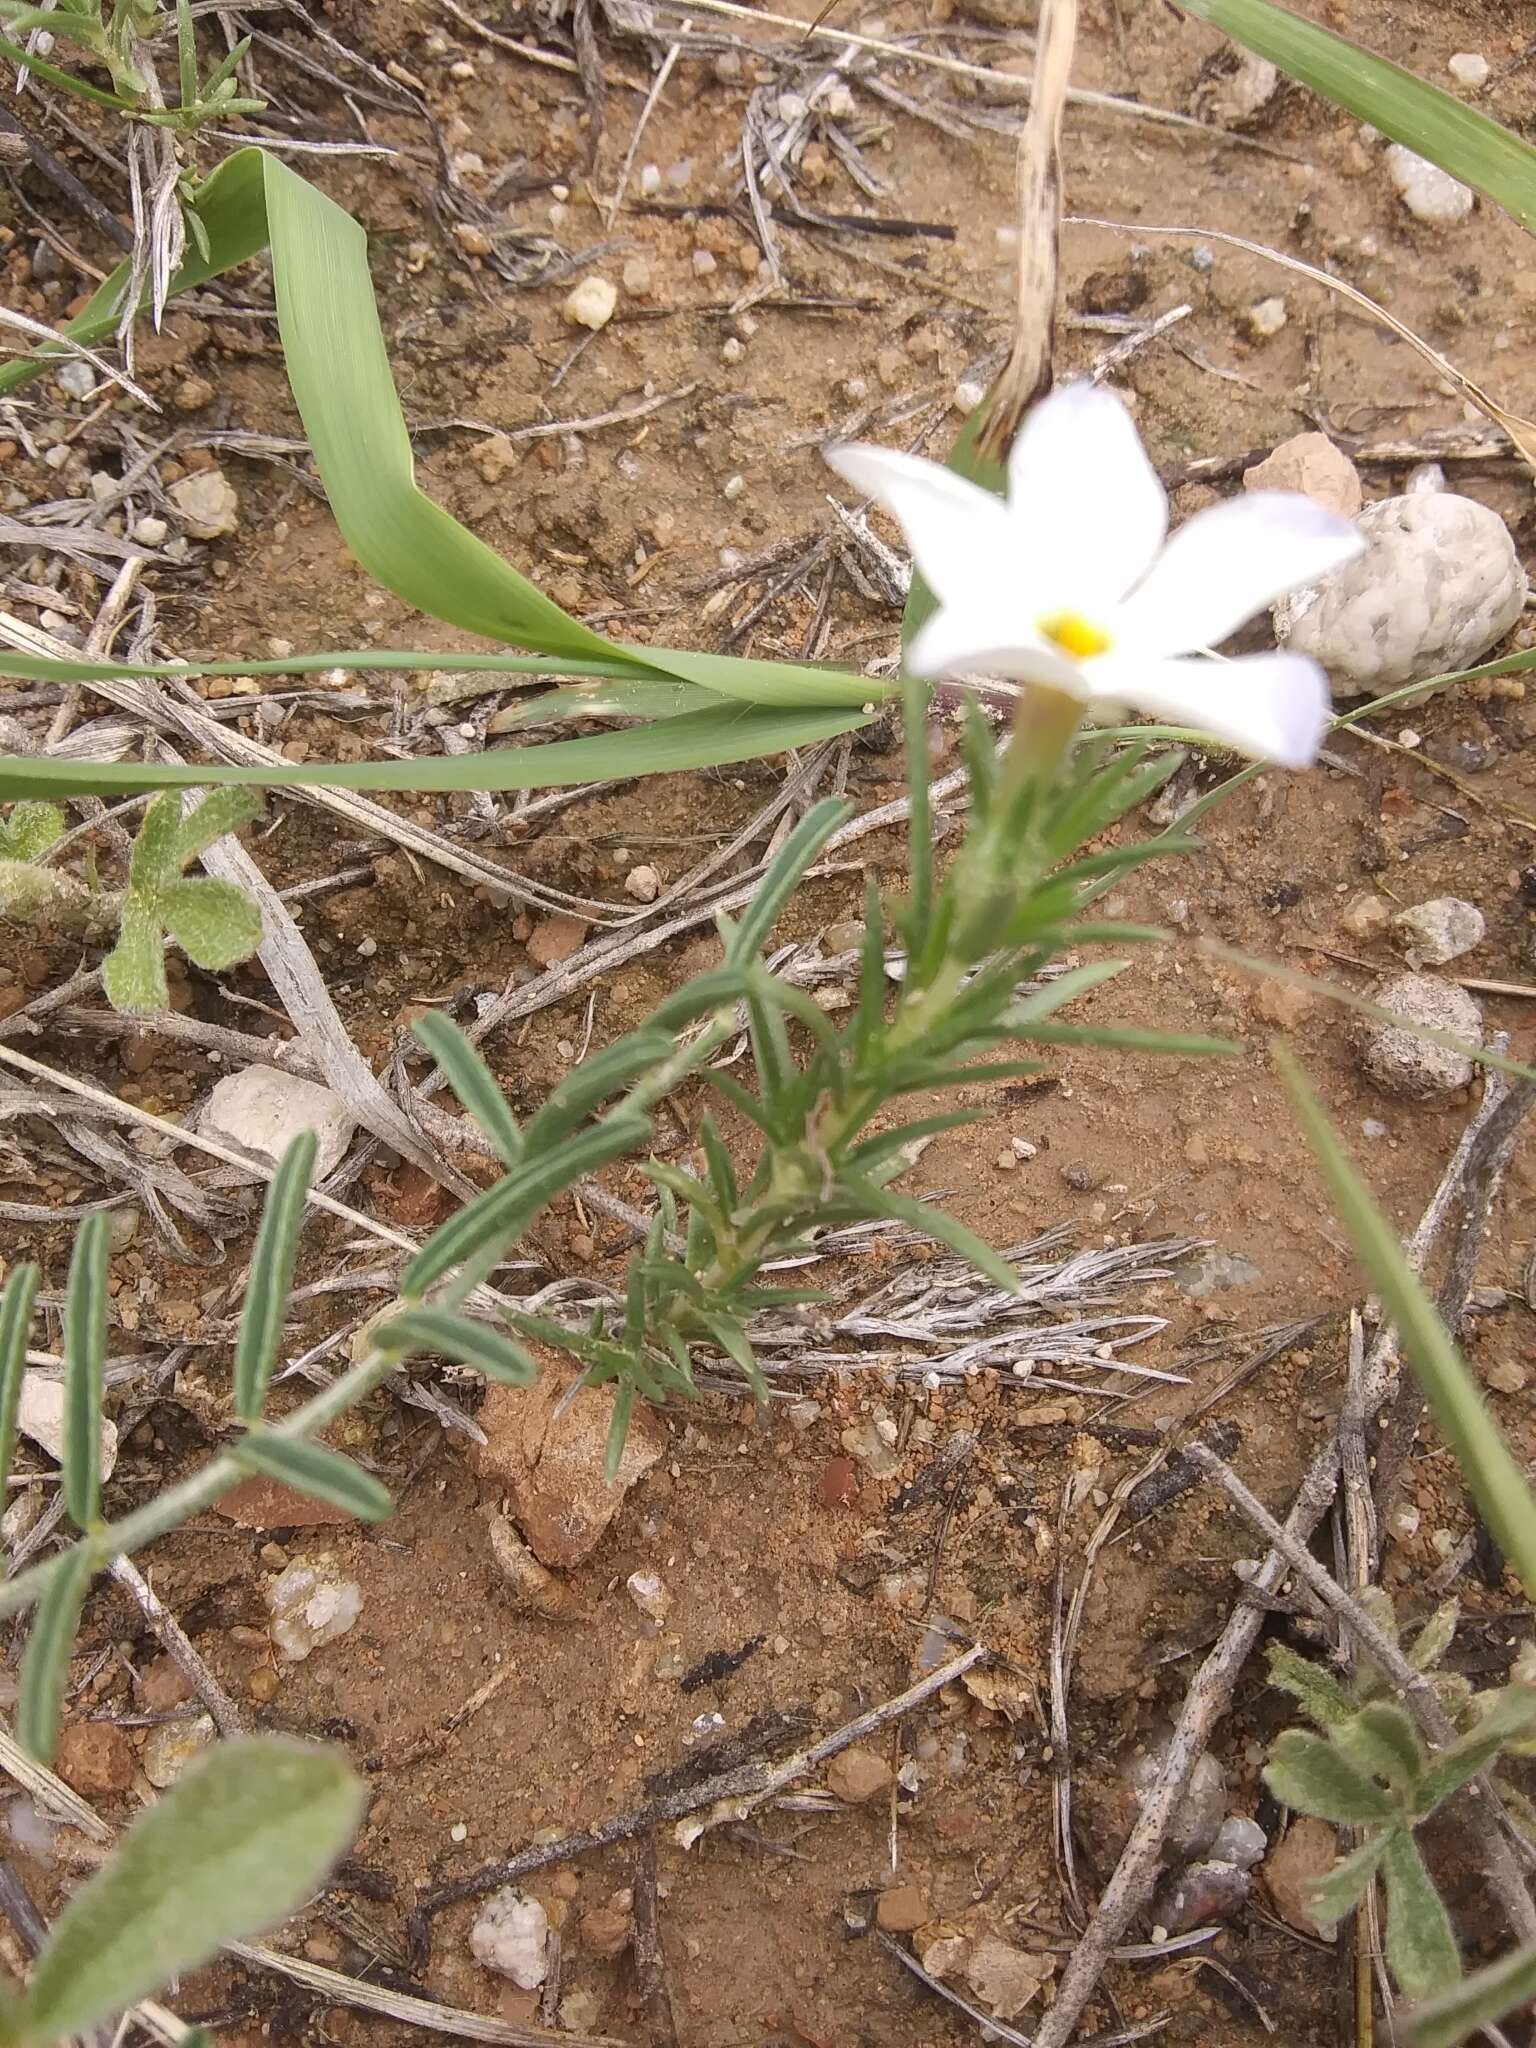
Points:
(1438, 585)
(169, 1748)
(1443, 929)
(207, 504)
(1398, 1059)
(262, 1109)
(1429, 193)
(1198, 1814)
(1239, 1841)
(1214, 1270)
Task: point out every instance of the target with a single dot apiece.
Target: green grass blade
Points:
(327, 1475)
(700, 739)
(1434, 123)
(45, 1667)
(271, 1277)
(243, 1837)
(15, 1328)
(329, 322)
(1493, 1478)
(466, 1342)
(473, 1082)
(85, 1355)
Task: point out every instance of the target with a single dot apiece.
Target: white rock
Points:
(1429, 193)
(511, 1936)
(1399, 1060)
(1438, 585)
(1469, 67)
(263, 1110)
(207, 503)
(169, 1748)
(650, 1595)
(150, 531)
(591, 304)
(311, 1605)
(643, 883)
(969, 393)
(1267, 317)
(1440, 930)
(1424, 476)
(650, 179)
(40, 1415)
(78, 378)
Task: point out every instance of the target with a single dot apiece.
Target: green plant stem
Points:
(173, 1507)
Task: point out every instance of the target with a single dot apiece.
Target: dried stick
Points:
(178, 1647)
(728, 1796)
(1478, 1161)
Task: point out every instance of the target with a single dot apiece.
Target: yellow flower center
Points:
(1076, 636)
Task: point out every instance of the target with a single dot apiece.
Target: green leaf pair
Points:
(215, 923)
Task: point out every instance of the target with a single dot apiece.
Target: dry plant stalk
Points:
(1027, 373)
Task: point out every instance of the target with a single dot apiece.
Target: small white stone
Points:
(1021, 1148)
(733, 486)
(592, 302)
(1424, 476)
(1429, 193)
(703, 263)
(1470, 68)
(40, 1415)
(169, 1748)
(732, 349)
(650, 1595)
(968, 395)
(1266, 317)
(511, 1936)
(263, 1110)
(78, 377)
(643, 883)
(1443, 929)
(207, 503)
(650, 179)
(311, 1605)
(459, 1832)
(149, 531)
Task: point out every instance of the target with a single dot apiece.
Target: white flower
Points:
(1072, 583)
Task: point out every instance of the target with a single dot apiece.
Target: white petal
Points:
(1228, 563)
(1086, 504)
(1273, 706)
(958, 533)
(989, 640)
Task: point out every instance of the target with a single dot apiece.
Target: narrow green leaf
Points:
(597, 1078)
(465, 1341)
(1061, 990)
(221, 812)
(618, 1430)
(1432, 123)
(215, 923)
(1509, 1716)
(701, 739)
(1435, 1637)
(18, 53)
(1481, 2000)
(271, 1277)
(783, 876)
(242, 1838)
(315, 1470)
(1342, 1889)
(473, 1082)
(85, 1357)
(133, 973)
(1493, 1477)
(45, 1666)
(503, 1212)
(186, 54)
(1306, 1772)
(1129, 1038)
(1381, 1740)
(15, 1329)
(915, 699)
(1320, 1694)
(935, 1222)
(1421, 1949)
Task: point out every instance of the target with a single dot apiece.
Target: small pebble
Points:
(969, 393)
(650, 179)
(733, 486)
(311, 1605)
(511, 1936)
(171, 1746)
(78, 378)
(150, 531)
(637, 277)
(1470, 68)
(856, 1775)
(703, 263)
(643, 883)
(732, 349)
(1398, 1059)
(650, 1595)
(1266, 318)
(592, 302)
(1443, 929)
(1429, 193)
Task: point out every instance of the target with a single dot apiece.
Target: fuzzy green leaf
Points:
(1381, 1741)
(215, 923)
(241, 1839)
(1510, 1714)
(1306, 1772)
(314, 1469)
(473, 1082)
(1435, 1637)
(1342, 1889)
(133, 973)
(45, 1666)
(30, 830)
(1421, 1949)
(271, 1277)
(221, 811)
(465, 1341)
(154, 860)
(1320, 1694)
(1481, 2000)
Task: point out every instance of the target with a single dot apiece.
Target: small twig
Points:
(178, 1646)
